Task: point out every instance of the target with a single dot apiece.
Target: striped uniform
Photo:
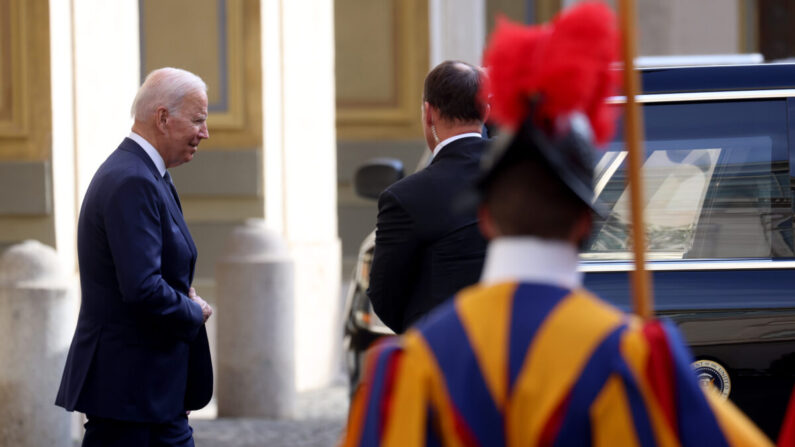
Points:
(526, 364)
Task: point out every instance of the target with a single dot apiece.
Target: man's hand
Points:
(207, 310)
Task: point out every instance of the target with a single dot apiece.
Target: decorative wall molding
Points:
(13, 67)
(24, 80)
(226, 56)
(394, 110)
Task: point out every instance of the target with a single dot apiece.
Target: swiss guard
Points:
(527, 357)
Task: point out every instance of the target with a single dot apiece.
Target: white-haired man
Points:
(139, 359)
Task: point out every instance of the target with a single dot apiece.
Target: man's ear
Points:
(427, 113)
(161, 118)
(486, 224)
(486, 112)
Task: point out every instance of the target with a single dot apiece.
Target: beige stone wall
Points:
(688, 27)
(381, 61)
(25, 122)
(685, 27)
(219, 41)
(514, 10)
(24, 80)
(222, 186)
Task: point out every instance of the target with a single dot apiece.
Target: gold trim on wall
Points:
(26, 120)
(14, 64)
(25, 106)
(399, 117)
(244, 84)
(233, 118)
(238, 124)
(394, 89)
(5, 61)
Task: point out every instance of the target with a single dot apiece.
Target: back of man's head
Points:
(165, 87)
(452, 87)
(528, 199)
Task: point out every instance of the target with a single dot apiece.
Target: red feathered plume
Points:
(564, 66)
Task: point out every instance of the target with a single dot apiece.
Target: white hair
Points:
(164, 87)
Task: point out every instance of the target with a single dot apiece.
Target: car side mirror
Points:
(375, 175)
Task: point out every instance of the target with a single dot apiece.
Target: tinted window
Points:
(716, 184)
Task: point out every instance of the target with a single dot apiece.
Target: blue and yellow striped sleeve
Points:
(532, 365)
(677, 410)
(369, 409)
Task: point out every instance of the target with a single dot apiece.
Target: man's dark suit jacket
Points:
(424, 250)
(140, 350)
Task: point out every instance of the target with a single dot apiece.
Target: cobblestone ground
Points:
(320, 418)
(318, 422)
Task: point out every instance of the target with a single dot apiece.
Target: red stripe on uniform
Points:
(786, 437)
(465, 434)
(660, 371)
(552, 427)
(358, 411)
(386, 399)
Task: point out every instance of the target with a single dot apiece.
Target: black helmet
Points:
(568, 153)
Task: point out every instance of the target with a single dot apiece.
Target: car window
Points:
(716, 184)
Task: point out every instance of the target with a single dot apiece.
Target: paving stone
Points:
(262, 432)
(318, 422)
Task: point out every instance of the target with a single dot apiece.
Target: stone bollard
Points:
(37, 317)
(254, 283)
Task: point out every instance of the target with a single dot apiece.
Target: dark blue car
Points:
(719, 180)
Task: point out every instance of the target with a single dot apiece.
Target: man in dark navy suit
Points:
(425, 251)
(139, 360)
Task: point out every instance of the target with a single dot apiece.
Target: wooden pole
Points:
(643, 301)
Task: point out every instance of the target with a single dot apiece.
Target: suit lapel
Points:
(176, 214)
(165, 194)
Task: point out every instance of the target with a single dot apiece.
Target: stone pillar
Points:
(36, 323)
(106, 78)
(457, 30)
(301, 172)
(254, 308)
(63, 134)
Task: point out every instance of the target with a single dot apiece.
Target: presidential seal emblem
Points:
(711, 373)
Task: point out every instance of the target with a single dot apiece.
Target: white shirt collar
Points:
(532, 259)
(151, 152)
(447, 141)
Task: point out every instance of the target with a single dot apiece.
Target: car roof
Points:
(718, 78)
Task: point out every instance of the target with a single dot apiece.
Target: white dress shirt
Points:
(151, 151)
(447, 141)
(532, 259)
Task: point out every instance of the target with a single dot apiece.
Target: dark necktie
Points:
(173, 189)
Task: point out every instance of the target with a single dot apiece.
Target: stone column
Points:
(106, 78)
(457, 30)
(300, 172)
(36, 323)
(254, 284)
(63, 134)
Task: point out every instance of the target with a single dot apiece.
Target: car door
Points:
(718, 214)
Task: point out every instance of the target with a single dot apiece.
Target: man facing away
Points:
(527, 357)
(139, 359)
(425, 251)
